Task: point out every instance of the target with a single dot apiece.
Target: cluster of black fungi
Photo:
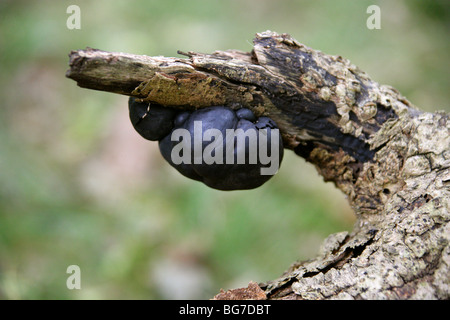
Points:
(156, 123)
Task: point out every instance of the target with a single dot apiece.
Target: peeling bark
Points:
(390, 159)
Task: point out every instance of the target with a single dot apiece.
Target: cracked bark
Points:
(390, 159)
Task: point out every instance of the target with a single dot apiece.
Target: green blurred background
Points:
(79, 186)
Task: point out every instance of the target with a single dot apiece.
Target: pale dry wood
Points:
(391, 159)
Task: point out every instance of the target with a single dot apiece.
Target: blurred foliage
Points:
(79, 186)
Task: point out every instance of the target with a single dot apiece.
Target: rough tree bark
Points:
(390, 159)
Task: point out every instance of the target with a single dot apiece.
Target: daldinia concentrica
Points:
(223, 148)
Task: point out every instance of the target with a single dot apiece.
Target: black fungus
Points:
(232, 162)
(243, 170)
(152, 121)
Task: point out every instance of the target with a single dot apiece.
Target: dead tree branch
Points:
(391, 159)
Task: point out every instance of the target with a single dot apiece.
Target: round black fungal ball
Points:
(181, 117)
(186, 169)
(245, 113)
(243, 170)
(151, 121)
(220, 118)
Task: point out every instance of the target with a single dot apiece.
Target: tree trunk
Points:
(390, 159)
